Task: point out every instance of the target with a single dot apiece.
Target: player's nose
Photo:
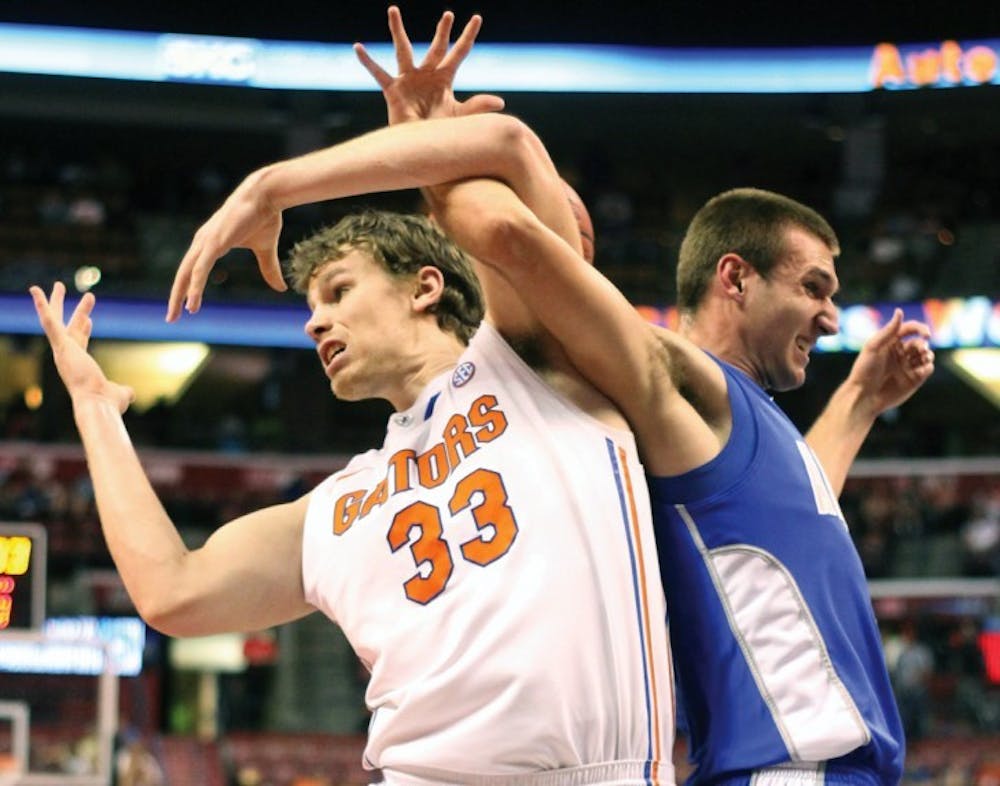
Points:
(317, 325)
(829, 320)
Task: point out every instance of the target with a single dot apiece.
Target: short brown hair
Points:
(402, 244)
(745, 221)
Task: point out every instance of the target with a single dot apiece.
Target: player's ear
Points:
(731, 272)
(428, 287)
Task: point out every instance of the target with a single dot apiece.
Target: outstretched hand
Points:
(893, 363)
(79, 371)
(425, 91)
(245, 220)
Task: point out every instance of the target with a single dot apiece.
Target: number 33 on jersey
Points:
(421, 526)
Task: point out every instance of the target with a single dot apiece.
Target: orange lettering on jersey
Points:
(492, 422)
(432, 467)
(399, 468)
(429, 548)
(456, 435)
(378, 497)
(493, 516)
(461, 437)
(346, 511)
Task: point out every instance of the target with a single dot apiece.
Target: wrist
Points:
(90, 407)
(860, 403)
(264, 185)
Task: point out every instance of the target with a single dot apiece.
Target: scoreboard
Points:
(23, 550)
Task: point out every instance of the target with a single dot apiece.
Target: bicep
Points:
(247, 575)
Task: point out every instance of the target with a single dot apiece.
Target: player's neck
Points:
(422, 369)
(715, 328)
(709, 328)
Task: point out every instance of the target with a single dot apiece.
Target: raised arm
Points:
(400, 157)
(891, 367)
(247, 576)
(603, 335)
(426, 91)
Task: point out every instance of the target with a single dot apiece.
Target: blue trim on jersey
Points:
(430, 405)
(626, 520)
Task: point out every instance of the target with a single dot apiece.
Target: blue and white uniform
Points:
(493, 564)
(778, 655)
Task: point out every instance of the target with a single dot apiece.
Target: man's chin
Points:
(344, 391)
(798, 381)
(341, 392)
(794, 379)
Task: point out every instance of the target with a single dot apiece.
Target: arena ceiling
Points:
(649, 22)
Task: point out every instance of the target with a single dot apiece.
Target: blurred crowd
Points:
(928, 526)
(931, 526)
(915, 204)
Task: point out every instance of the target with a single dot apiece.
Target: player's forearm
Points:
(838, 433)
(410, 155)
(143, 542)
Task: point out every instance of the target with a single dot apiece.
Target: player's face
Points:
(360, 324)
(791, 309)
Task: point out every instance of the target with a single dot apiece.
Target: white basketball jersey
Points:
(493, 565)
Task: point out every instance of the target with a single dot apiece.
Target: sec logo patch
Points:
(463, 373)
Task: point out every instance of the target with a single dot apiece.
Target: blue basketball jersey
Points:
(777, 650)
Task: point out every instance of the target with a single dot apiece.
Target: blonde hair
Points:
(402, 244)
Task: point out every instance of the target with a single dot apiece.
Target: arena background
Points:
(108, 179)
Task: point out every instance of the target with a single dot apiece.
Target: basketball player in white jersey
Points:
(491, 563)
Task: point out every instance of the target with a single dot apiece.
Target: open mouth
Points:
(329, 352)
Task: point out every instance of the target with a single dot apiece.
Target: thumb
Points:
(888, 331)
(480, 104)
(125, 396)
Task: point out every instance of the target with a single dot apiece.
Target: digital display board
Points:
(23, 550)
(79, 645)
(507, 67)
(955, 323)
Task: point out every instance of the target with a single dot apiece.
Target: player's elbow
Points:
(516, 145)
(509, 241)
(172, 612)
(163, 615)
